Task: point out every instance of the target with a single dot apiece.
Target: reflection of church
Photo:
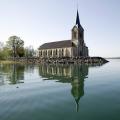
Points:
(74, 74)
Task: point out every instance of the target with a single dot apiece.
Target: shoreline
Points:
(81, 60)
(9, 62)
(37, 60)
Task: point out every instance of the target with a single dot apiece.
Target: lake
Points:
(60, 92)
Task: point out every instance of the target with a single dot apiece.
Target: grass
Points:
(8, 62)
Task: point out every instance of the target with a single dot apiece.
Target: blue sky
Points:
(40, 21)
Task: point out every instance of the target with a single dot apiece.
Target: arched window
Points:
(56, 52)
(51, 52)
(62, 52)
(75, 35)
(41, 53)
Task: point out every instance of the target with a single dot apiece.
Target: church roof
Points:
(58, 44)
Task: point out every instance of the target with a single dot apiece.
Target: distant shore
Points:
(113, 58)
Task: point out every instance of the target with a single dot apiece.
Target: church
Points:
(75, 47)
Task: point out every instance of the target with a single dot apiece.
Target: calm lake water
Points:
(62, 92)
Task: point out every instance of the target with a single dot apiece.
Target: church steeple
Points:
(77, 20)
(78, 31)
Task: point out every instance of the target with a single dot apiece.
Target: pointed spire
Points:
(77, 105)
(77, 20)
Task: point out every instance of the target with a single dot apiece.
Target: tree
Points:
(29, 51)
(3, 51)
(1, 55)
(1, 45)
(16, 46)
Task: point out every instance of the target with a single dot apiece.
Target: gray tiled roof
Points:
(58, 44)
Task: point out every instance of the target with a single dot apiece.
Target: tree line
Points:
(14, 47)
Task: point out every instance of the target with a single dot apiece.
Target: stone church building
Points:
(75, 47)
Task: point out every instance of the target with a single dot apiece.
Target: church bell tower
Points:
(78, 32)
(79, 49)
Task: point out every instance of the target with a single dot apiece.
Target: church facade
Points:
(75, 47)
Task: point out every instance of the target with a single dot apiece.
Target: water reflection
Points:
(12, 73)
(73, 74)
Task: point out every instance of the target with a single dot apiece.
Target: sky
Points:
(40, 21)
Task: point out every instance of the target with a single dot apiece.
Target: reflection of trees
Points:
(17, 74)
(74, 74)
(1, 80)
(14, 73)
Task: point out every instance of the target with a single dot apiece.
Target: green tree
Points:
(16, 46)
(5, 53)
(1, 55)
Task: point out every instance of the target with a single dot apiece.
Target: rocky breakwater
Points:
(77, 60)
